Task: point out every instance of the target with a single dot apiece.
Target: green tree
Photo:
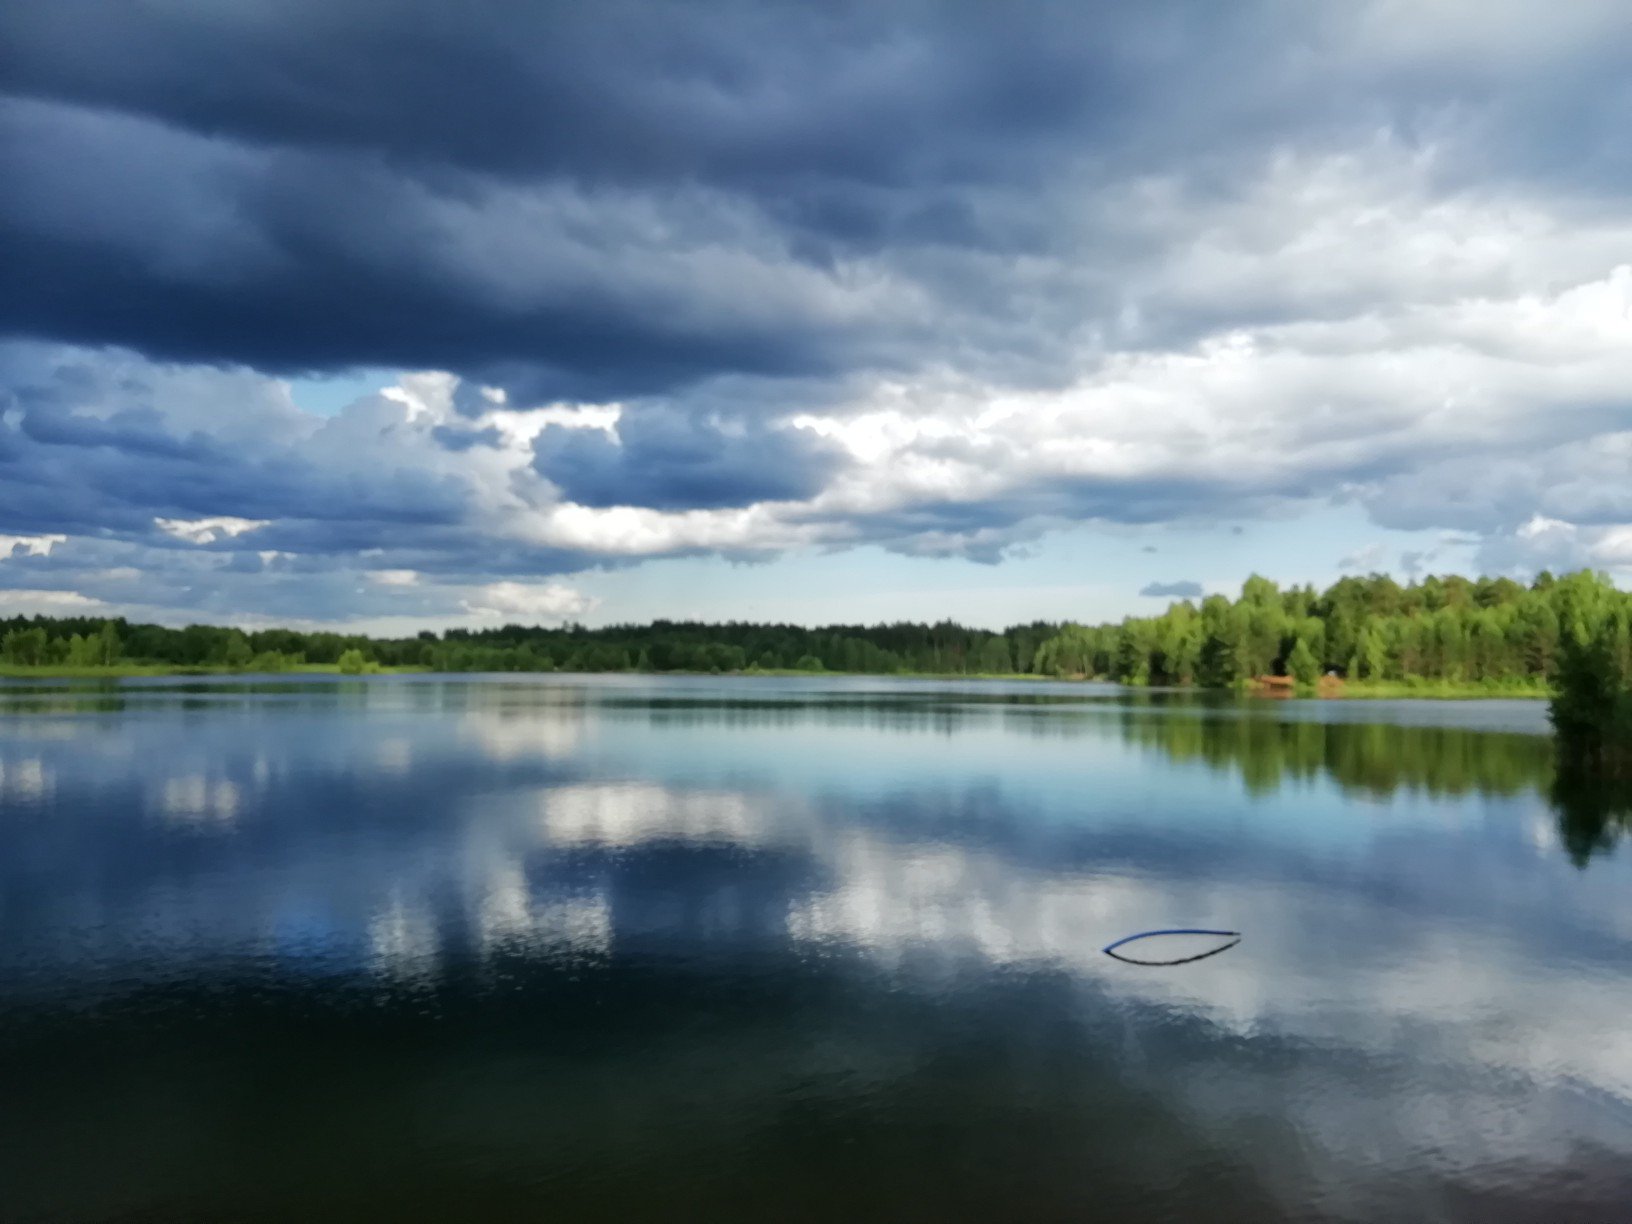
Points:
(25, 647)
(1181, 646)
(353, 663)
(1591, 709)
(237, 652)
(1303, 665)
(993, 658)
(1135, 646)
(1222, 631)
(108, 645)
(1370, 660)
(1070, 652)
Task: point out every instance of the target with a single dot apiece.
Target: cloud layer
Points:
(796, 279)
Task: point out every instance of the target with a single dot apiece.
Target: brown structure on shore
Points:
(1285, 686)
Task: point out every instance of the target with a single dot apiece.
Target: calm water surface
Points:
(760, 949)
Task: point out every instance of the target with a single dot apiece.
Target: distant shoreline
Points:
(1354, 690)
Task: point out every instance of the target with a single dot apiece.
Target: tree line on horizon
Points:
(1486, 631)
(1491, 632)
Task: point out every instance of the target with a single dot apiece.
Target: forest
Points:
(1487, 634)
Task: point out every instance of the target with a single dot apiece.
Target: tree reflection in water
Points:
(1380, 759)
(1593, 812)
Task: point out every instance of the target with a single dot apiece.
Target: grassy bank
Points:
(118, 671)
(51, 671)
(124, 671)
(1452, 690)
(1336, 689)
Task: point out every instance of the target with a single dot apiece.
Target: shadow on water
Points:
(624, 1088)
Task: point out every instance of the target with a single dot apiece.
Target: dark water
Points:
(419, 949)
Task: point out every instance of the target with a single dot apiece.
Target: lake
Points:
(735, 948)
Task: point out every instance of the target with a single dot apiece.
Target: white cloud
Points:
(207, 530)
(636, 531)
(1547, 543)
(545, 601)
(24, 602)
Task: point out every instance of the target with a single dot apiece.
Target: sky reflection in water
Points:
(733, 948)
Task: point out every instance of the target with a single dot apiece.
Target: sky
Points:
(426, 315)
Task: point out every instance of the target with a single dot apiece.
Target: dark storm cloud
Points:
(562, 194)
(290, 263)
(621, 199)
(615, 200)
(626, 92)
(335, 178)
(669, 460)
(1183, 589)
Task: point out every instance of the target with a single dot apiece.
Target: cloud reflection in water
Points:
(609, 890)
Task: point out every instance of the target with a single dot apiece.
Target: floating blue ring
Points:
(1111, 949)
